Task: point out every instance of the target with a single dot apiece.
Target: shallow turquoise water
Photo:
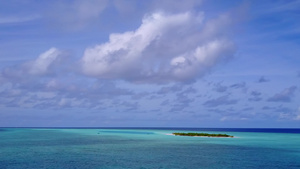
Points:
(141, 148)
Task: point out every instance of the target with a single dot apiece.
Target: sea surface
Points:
(147, 148)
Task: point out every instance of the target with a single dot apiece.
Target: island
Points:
(202, 134)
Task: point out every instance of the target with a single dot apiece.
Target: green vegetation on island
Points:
(201, 134)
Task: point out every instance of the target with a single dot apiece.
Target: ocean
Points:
(147, 148)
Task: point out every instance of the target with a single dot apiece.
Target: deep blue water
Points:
(148, 148)
(259, 130)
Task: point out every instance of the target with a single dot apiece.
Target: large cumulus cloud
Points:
(165, 48)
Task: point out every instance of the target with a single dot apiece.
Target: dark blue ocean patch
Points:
(3, 130)
(126, 132)
(256, 130)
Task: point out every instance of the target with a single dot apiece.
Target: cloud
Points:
(284, 113)
(284, 96)
(255, 99)
(125, 7)
(256, 96)
(248, 109)
(129, 106)
(45, 93)
(263, 79)
(165, 48)
(47, 63)
(218, 87)
(268, 108)
(17, 19)
(77, 14)
(231, 114)
(176, 5)
(187, 91)
(288, 113)
(297, 115)
(181, 102)
(283, 109)
(239, 85)
(165, 102)
(42, 65)
(256, 93)
(139, 96)
(223, 100)
(170, 89)
(182, 99)
(232, 118)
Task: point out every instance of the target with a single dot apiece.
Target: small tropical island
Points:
(202, 134)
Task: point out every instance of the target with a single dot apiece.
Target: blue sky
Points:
(164, 63)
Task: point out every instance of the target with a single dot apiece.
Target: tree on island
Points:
(202, 134)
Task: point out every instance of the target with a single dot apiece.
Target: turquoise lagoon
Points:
(30, 148)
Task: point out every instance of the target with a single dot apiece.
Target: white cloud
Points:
(49, 62)
(227, 118)
(202, 59)
(165, 48)
(289, 114)
(43, 63)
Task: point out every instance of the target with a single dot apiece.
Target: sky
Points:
(156, 63)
